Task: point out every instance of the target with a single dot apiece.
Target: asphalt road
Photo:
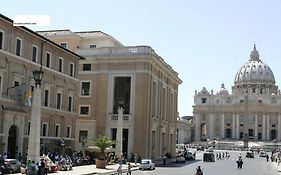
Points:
(251, 166)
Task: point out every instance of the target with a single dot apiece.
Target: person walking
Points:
(119, 170)
(239, 162)
(129, 172)
(199, 171)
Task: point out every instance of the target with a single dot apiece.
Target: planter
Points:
(101, 163)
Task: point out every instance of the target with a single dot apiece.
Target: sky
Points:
(205, 41)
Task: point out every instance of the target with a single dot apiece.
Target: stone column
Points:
(197, 127)
(35, 126)
(233, 126)
(237, 126)
(278, 127)
(267, 126)
(256, 126)
(211, 126)
(263, 127)
(119, 137)
(222, 127)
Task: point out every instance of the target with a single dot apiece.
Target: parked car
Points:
(250, 155)
(146, 164)
(200, 148)
(5, 169)
(263, 154)
(180, 158)
(189, 155)
(208, 157)
(14, 165)
(210, 149)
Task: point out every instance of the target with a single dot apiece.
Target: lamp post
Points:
(35, 121)
(119, 137)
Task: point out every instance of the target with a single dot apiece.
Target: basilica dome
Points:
(254, 72)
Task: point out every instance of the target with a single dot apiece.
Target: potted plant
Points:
(102, 142)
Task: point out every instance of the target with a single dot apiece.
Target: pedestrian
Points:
(129, 172)
(39, 168)
(119, 170)
(136, 158)
(46, 167)
(199, 171)
(267, 157)
(29, 167)
(239, 162)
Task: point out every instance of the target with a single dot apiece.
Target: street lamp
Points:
(35, 122)
(119, 137)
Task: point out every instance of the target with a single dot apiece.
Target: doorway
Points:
(12, 142)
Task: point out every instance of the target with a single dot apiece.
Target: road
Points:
(255, 166)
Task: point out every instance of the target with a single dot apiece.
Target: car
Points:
(262, 154)
(14, 165)
(189, 155)
(208, 157)
(250, 155)
(210, 149)
(200, 148)
(147, 164)
(4, 169)
(180, 158)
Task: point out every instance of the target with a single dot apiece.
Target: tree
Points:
(103, 142)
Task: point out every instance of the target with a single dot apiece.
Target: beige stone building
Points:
(184, 130)
(21, 52)
(136, 75)
(252, 110)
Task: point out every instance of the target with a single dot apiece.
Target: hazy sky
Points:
(205, 41)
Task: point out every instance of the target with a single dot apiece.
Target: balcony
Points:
(114, 117)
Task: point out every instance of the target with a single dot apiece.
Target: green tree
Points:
(103, 142)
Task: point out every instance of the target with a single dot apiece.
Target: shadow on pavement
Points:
(177, 164)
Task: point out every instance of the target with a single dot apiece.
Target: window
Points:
(16, 83)
(70, 103)
(18, 46)
(57, 131)
(44, 129)
(68, 131)
(83, 135)
(1, 39)
(84, 110)
(203, 100)
(46, 99)
(63, 44)
(93, 46)
(59, 97)
(1, 84)
(34, 53)
(85, 88)
(71, 71)
(48, 59)
(60, 65)
(28, 128)
(87, 67)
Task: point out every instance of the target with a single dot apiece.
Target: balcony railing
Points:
(114, 117)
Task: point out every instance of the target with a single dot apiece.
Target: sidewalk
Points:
(277, 166)
(91, 169)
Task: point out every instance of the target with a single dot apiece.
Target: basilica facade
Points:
(252, 110)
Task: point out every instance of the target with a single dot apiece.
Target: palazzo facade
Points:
(135, 75)
(21, 52)
(252, 109)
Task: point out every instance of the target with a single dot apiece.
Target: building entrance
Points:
(12, 140)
